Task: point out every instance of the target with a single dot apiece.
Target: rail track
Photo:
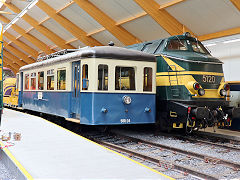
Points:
(169, 157)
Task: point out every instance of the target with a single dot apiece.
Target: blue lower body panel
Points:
(93, 104)
(55, 103)
(95, 108)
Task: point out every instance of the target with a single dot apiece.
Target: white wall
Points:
(229, 53)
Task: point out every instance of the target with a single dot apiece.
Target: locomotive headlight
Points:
(196, 86)
(201, 92)
(127, 99)
(223, 92)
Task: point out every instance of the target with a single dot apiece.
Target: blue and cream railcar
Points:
(94, 86)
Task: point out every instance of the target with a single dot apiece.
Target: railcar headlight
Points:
(127, 99)
(223, 92)
(201, 92)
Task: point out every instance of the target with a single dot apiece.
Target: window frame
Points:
(62, 69)
(135, 79)
(86, 79)
(144, 76)
(25, 81)
(52, 73)
(103, 79)
(33, 76)
(38, 79)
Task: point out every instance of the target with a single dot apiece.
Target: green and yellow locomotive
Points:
(191, 92)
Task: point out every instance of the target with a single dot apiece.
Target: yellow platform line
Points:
(17, 163)
(109, 149)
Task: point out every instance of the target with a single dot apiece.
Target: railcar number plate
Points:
(208, 79)
(125, 120)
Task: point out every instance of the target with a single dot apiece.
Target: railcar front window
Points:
(26, 81)
(102, 77)
(85, 81)
(50, 79)
(147, 79)
(33, 81)
(175, 44)
(124, 78)
(41, 80)
(61, 76)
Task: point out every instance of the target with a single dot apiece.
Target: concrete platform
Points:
(47, 151)
(227, 133)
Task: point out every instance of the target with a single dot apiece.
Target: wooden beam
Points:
(131, 18)
(13, 58)
(119, 32)
(220, 34)
(236, 3)
(19, 53)
(14, 66)
(66, 6)
(173, 2)
(68, 25)
(162, 17)
(46, 32)
(29, 37)
(22, 45)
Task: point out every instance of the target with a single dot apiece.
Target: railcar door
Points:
(76, 74)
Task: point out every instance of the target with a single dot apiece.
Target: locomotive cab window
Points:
(147, 79)
(85, 81)
(40, 80)
(61, 79)
(33, 81)
(50, 79)
(124, 78)
(198, 47)
(176, 44)
(102, 77)
(26, 81)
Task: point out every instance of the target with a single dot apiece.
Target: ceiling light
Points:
(208, 45)
(21, 14)
(230, 41)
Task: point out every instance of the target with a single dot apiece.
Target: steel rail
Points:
(186, 152)
(158, 161)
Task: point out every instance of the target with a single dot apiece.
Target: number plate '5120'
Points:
(208, 79)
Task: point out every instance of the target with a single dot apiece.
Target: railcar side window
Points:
(124, 78)
(26, 81)
(102, 77)
(61, 79)
(33, 81)
(147, 79)
(50, 79)
(85, 81)
(41, 80)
